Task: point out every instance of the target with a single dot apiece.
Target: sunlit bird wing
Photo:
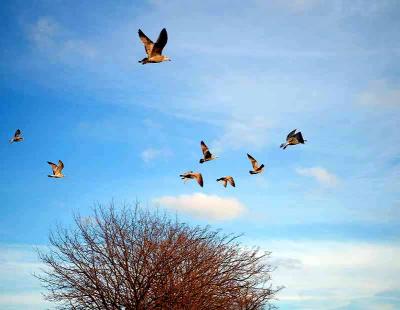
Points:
(205, 150)
(231, 181)
(53, 167)
(199, 178)
(148, 44)
(291, 134)
(60, 166)
(254, 162)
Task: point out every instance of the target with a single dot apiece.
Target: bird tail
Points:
(252, 172)
(51, 176)
(143, 61)
(201, 161)
(11, 140)
(284, 145)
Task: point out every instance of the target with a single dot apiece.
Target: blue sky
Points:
(243, 74)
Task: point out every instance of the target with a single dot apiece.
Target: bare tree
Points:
(136, 259)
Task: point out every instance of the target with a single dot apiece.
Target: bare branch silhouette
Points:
(137, 259)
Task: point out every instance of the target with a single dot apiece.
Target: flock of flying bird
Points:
(154, 55)
(292, 138)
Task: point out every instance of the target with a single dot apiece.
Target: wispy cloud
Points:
(236, 134)
(204, 206)
(342, 273)
(380, 92)
(18, 287)
(322, 175)
(151, 154)
(49, 36)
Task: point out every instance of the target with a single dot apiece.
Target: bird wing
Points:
(186, 174)
(223, 180)
(60, 165)
(53, 166)
(17, 133)
(254, 162)
(148, 44)
(205, 150)
(231, 180)
(299, 137)
(291, 134)
(160, 43)
(199, 178)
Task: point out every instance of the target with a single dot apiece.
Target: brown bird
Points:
(206, 153)
(154, 50)
(256, 168)
(17, 137)
(193, 175)
(227, 179)
(293, 138)
(56, 169)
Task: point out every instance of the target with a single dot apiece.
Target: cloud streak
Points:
(150, 154)
(380, 93)
(342, 272)
(321, 175)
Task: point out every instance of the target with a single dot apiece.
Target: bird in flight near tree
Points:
(225, 180)
(193, 175)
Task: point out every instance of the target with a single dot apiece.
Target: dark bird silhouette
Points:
(17, 136)
(225, 180)
(293, 138)
(192, 175)
(56, 169)
(256, 168)
(207, 156)
(154, 50)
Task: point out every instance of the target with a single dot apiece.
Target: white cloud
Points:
(204, 206)
(380, 92)
(25, 300)
(331, 275)
(322, 175)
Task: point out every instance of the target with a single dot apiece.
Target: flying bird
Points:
(227, 179)
(154, 50)
(206, 153)
(56, 169)
(17, 137)
(256, 168)
(293, 138)
(193, 175)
